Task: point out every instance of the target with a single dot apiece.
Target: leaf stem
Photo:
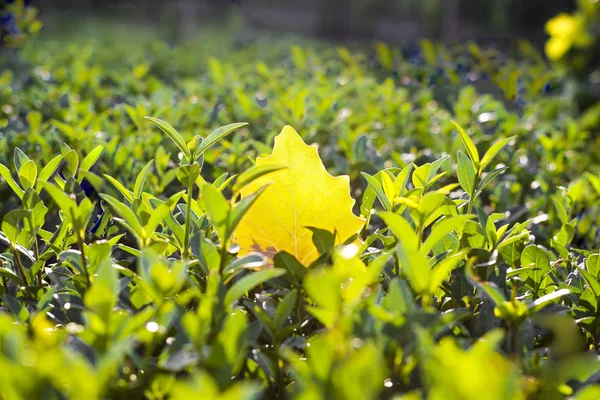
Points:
(81, 245)
(472, 195)
(83, 261)
(36, 251)
(20, 265)
(188, 217)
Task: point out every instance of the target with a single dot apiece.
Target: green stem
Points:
(223, 255)
(188, 216)
(594, 334)
(83, 260)
(36, 251)
(470, 204)
(595, 329)
(80, 243)
(20, 265)
(472, 195)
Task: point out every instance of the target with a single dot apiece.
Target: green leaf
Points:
(249, 282)
(415, 267)
(323, 287)
(47, 172)
(402, 179)
(441, 271)
(19, 158)
(429, 206)
(173, 135)
(156, 218)
(540, 303)
(11, 224)
(494, 149)
(289, 263)
(132, 113)
(592, 282)
(322, 239)
(468, 143)
(221, 181)
(535, 256)
(71, 162)
(399, 299)
(250, 260)
(400, 227)
(141, 179)
(473, 235)
(387, 185)
(32, 202)
(225, 183)
(102, 296)
(217, 135)
(89, 161)
(561, 209)
(374, 183)
(593, 265)
(435, 166)
(119, 186)
(519, 271)
(217, 209)
(28, 174)
(187, 174)
(62, 200)
(16, 308)
(466, 173)
(121, 210)
(441, 229)
(420, 176)
(489, 177)
(493, 292)
(284, 309)
(5, 172)
(488, 227)
(8, 274)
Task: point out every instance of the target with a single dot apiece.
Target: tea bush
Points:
(124, 177)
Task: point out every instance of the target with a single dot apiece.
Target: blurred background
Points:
(393, 21)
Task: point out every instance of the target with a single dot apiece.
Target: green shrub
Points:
(476, 274)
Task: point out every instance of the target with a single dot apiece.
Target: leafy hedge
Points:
(476, 272)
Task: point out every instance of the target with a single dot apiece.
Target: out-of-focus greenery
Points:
(365, 108)
(574, 47)
(478, 271)
(18, 22)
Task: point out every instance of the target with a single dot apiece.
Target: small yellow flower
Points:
(566, 31)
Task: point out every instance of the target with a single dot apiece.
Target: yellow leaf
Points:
(300, 196)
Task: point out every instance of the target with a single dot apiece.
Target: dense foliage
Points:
(476, 273)
(574, 45)
(18, 22)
